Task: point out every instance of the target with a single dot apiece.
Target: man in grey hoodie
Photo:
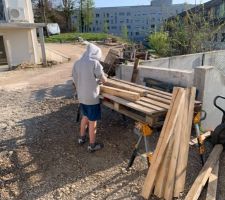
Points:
(87, 75)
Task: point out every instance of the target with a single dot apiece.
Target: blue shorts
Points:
(92, 112)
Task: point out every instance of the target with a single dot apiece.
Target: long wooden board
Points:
(128, 95)
(143, 87)
(184, 144)
(129, 104)
(162, 144)
(204, 174)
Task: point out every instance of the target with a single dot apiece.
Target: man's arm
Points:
(99, 73)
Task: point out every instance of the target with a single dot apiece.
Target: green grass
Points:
(71, 37)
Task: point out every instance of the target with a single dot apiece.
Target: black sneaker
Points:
(95, 147)
(82, 140)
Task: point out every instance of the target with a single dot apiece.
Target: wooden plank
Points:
(180, 124)
(162, 143)
(212, 183)
(156, 103)
(159, 99)
(128, 95)
(204, 174)
(123, 86)
(129, 104)
(184, 144)
(135, 71)
(150, 106)
(143, 87)
(163, 171)
(124, 111)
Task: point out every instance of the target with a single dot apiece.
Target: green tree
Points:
(105, 27)
(88, 14)
(124, 32)
(85, 14)
(191, 33)
(159, 41)
(68, 7)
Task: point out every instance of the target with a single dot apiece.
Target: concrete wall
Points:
(189, 62)
(210, 83)
(20, 46)
(176, 77)
(53, 55)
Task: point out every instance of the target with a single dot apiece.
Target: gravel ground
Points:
(40, 159)
(39, 156)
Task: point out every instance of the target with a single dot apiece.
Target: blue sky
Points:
(109, 3)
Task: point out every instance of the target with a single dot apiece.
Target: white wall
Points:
(210, 83)
(183, 78)
(21, 46)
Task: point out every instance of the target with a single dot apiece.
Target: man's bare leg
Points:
(83, 126)
(92, 131)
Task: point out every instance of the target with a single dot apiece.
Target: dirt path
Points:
(39, 156)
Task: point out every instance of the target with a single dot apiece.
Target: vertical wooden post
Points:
(42, 42)
(135, 71)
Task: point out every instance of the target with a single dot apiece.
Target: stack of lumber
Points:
(208, 173)
(167, 173)
(135, 101)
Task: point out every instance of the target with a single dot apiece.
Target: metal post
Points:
(42, 42)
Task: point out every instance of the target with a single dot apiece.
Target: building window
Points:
(107, 14)
(137, 33)
(128, 14)
(153, 26)
(129, 27)
(96, 21)
(2, 14)
(97, 15)
(121, 14)
(127, 20)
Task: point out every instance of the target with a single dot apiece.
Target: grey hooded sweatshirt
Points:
(87, 72)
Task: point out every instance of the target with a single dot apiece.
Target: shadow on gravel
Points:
(48, 157)
(59, 91)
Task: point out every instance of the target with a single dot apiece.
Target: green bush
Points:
(159, 42)
(71, 37)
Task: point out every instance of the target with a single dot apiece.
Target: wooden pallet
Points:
(151, 108)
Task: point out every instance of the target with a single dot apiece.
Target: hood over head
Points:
(92, 52)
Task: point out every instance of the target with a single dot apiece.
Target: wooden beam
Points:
(170, 181)
(204, 174)
(128, 95)
(163, 143)
(129, 104)
(212, 183)
(124, 86)
(135, 71)
(169, 95)
(184, 143)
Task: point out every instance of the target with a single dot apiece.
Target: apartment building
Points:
(140, 21)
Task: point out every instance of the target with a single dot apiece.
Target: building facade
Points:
(139, 21)
(18, 38)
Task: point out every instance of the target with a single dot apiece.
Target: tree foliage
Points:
(159, 41)
(124, 32)
(191, 33)
(85, 8)
(68, 7)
